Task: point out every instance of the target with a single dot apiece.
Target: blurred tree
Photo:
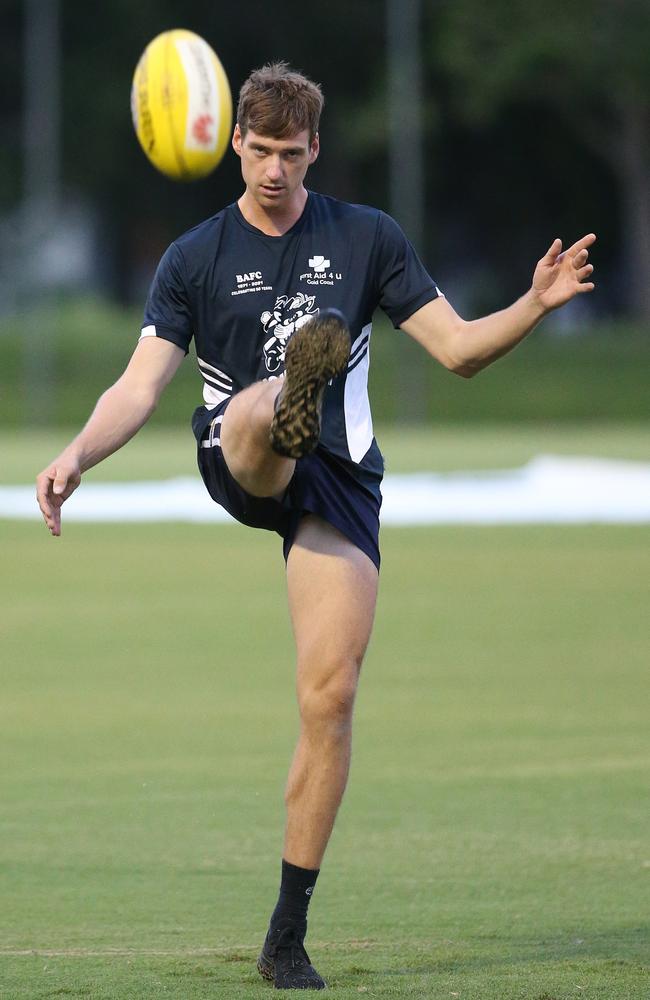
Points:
(144, 211)
(589, 63)
(10, 98)
(476, 189)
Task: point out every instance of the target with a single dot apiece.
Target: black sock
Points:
(295, 893)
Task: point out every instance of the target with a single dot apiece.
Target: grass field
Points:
(160, 453)
(493, 844)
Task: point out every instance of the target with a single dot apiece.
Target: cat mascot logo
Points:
(289, 314)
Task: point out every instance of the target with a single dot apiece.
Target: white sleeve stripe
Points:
(148, 331)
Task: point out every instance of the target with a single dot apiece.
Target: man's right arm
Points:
(120, 412)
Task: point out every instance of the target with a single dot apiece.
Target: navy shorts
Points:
(321, 484)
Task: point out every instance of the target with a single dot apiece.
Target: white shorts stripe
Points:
(212, 438)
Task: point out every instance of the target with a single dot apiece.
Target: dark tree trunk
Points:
(633, 168)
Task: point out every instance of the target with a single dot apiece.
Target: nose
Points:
(274, 169)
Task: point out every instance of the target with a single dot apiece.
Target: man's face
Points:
(274, 169)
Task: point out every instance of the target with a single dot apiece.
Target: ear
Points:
(314, 149)
(237, 139)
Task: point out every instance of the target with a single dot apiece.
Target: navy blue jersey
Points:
(241, 294)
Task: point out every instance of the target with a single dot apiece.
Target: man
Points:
(286, 279)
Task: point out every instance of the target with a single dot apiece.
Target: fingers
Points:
(60, 481)
(581, 245)
(579, 262)
(584, 272)
(578, 250)
(583, 269)
(554, 250)
(53, 486)
(55, 526)
(46, 501)
(576, 258)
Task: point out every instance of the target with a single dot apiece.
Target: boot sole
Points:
(316, 353)
(266, 968)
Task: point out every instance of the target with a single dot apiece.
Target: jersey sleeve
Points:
(404, 285)
(167, 313)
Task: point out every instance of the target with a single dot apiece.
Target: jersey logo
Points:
(318, 262)
(319, 273)
(250, 281)
(289, 314)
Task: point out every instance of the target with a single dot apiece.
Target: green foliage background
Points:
(595, 374)
(527, 112)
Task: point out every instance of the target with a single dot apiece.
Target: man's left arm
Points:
(465, 347)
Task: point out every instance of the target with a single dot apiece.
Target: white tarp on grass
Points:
(549, 489)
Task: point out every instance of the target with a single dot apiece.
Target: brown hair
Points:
(277, 102)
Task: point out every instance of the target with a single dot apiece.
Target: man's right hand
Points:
(53, 487)
(120, 413)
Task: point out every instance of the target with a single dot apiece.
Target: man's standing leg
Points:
(332, 593)
(332, 588)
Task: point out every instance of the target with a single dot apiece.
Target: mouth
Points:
(271, 190)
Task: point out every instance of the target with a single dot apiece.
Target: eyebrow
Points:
(267, 149)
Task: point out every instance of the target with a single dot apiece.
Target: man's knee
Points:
(328, 699)
(246, 421)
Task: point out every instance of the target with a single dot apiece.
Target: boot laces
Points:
(288, 939)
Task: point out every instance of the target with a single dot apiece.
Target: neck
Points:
(274, 220)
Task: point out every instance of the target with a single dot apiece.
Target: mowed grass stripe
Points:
(493, 842)
(160, 452)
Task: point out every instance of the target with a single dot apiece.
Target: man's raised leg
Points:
(332, 594)
(245, 441)
(270, 424)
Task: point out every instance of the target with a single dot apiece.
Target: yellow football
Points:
(181, 105)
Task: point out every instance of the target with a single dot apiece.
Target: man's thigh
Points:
(332, 587)
(246, 446)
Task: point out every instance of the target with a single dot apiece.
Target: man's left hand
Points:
(559, 276)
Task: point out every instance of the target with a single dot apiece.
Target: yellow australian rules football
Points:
(181, 105)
